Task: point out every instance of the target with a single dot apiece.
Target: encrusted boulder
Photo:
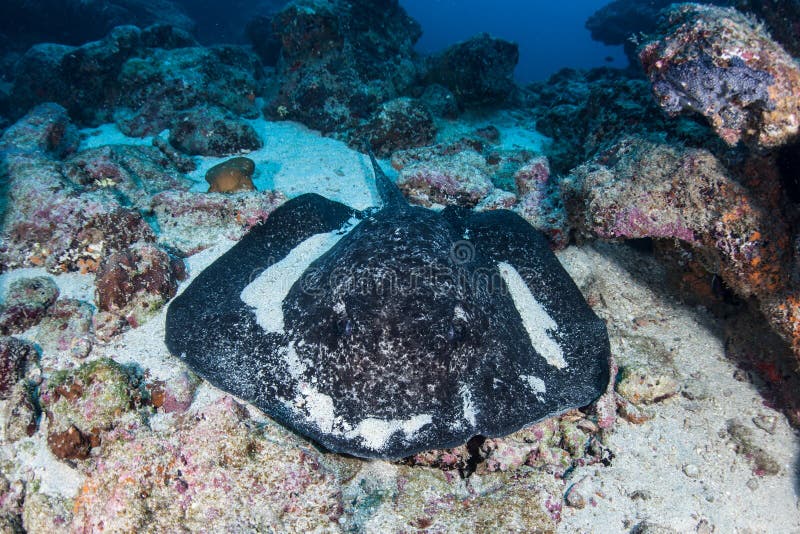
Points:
(210, 131)
(718, 63)
(479, 71)
(25, 303)
(397, 124)
(133, 284)
(340, 60)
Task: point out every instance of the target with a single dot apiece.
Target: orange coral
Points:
(231, 176)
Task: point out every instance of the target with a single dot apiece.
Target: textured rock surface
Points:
(479, 71)
(209, 131)
(397, 124)
(341, 60)
(25, 303)
(66, 329)
(718, 63)
(15, 356)
(132, 285)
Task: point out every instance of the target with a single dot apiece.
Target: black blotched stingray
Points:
(384, 333)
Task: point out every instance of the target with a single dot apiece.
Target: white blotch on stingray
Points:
(536, 384)
(535, 319)
(468, 405)
(374, 433)
(266, 293)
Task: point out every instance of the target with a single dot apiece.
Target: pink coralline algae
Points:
(216, 471)
(716, 62)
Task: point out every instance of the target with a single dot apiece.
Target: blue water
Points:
(551, 35)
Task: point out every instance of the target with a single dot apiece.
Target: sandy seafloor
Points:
(678, 470)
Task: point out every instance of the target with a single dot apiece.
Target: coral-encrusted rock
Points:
(83, 403)
(50, 221)
(132, 285)
(231, 176)
(12, 495)
(340, 60)
(130, 173)
(66, 329)
(478, 71)
(585, 112)
(190, 222)
(46, 513)
(167, 36)
(540, 201)
(645, 189)
(46, 130)
(19, 413)
(397, 124)
(458, 178)
(15, 355)
(176, 395)
(216, 471)
(646, 385)
(440, 101)
(382, 494)
(80, 79)
(718, 63)
(156, 89)
(210, 131)
(78, 21)
(25, 303)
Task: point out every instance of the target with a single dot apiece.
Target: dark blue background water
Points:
(550, 34)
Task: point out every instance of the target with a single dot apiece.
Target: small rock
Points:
(26, 301)
(646, 527)
(230, 176)
(210, 131)
(691, 470)
(752, 484)
(65, 328)
(46, 513)
(640, 495)
(742, 437)
(458, 178)
(578, 494)
(19, 414)
(643, 385)
(398, 124)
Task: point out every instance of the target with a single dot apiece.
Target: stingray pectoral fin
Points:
(211, 328)
(569, 366)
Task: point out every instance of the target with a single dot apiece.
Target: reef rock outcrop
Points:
(718, 63)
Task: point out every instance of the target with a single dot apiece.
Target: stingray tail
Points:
(387, 189)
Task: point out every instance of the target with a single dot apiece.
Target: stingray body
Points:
(381, 334)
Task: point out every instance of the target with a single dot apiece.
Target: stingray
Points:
(386, 332)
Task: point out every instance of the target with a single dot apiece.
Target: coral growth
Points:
(209, 131)
(231, 176)
(25, 303)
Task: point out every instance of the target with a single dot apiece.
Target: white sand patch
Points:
(297, 160)
(267, 292)
(110, 134)
(535, 319)
(374, 432)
